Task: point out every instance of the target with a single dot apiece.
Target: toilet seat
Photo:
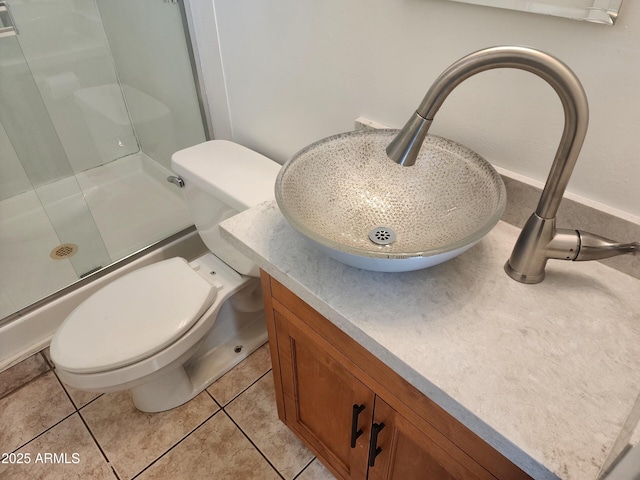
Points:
(132, 318)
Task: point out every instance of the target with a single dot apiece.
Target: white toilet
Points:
(168, 330)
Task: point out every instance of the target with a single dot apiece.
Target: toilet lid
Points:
(132, 318)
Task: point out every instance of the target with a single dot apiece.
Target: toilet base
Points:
(168, 391)
(181, 384)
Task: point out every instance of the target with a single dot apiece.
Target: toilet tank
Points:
(221, 179)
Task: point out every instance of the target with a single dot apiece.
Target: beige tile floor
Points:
(229, 431)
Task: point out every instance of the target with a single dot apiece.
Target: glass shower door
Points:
(48, 237)
(95, 96)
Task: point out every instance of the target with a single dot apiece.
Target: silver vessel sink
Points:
(352, 202)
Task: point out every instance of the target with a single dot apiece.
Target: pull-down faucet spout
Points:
(539, 240)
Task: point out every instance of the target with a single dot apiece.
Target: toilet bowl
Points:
(168, 330)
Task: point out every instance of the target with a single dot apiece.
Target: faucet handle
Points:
(540, 241)
(595, 247)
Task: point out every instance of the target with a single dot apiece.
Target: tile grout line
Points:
(213, 398)
(104, 455)
(24, 384)
(46, 360)
(221, 408)
(90, 401)
(224, 408)
(247, 436)
(19, 387)
(77, 410)
(305, 467)
(45, 431)
(253, 444)
(71, 398)
(177, 443)
(243, 390)
(100, 447)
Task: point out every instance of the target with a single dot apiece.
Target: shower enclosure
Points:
(95, 96)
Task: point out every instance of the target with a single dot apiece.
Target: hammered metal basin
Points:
(359, 207)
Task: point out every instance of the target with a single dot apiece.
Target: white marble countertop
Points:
(547, 374)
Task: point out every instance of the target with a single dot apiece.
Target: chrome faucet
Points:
(539, 240)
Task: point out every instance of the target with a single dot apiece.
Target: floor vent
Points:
(63, 251)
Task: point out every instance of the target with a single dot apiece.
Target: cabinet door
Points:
(320, 373)
(405, 451)
(323, 402)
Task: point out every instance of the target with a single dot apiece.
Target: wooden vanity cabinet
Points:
(361, 419)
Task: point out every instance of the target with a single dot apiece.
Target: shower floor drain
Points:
(382, 236)
(63, 251)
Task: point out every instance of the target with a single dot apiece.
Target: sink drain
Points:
(63, 251)
(382, 236)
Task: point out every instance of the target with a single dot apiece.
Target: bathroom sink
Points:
(356, 205)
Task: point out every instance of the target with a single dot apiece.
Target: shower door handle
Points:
(7, 25)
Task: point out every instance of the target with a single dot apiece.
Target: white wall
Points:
(300, 70)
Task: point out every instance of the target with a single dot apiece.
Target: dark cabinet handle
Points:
(355, 433)
(374, 449)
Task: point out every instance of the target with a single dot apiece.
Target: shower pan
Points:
(95, 96)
